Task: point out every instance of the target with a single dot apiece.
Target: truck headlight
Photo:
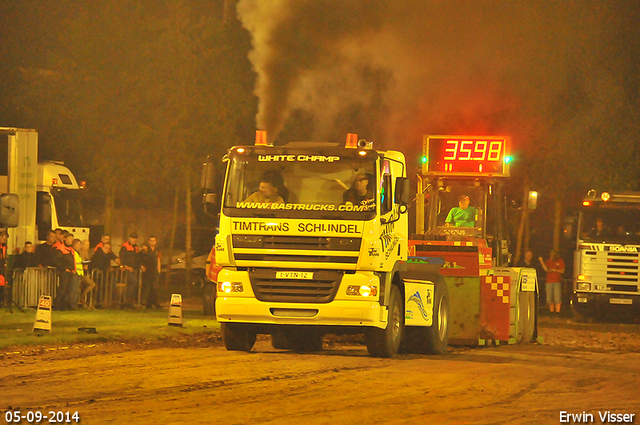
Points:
(583, 286)
(363, 291)
(228, 287)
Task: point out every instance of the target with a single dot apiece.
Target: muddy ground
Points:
(578, 368)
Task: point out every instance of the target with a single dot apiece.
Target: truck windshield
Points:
(69, 208)
(294, 183)
(457, 209)
(613, 223)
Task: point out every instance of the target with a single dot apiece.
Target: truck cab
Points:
(59, 201)
(49, 197)
(606, 273)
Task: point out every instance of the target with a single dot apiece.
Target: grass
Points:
(16, 329)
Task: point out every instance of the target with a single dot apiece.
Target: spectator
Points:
(27, 258)
(60, 234)
(101, 261)
(130, 260)
(76, 278)
(528, 261)
(45, 251)
(150, 257)
(554, 267)
(103, 240)
(3, 264)
(86, 283)
(103, 257)
(65, 263)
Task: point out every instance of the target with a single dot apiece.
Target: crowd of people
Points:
(75, 262)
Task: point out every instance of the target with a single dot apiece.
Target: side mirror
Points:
(208, 177)
(402, 193)
(9, 216)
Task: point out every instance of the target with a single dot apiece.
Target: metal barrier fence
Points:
(111, 286)
(30, 283)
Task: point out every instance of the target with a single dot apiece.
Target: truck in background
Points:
(49, 195)
(606, 257)
(316, 264)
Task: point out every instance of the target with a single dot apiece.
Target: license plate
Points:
(294, 275)
(620, 301)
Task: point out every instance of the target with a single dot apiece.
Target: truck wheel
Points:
(386, 342)
(437, 335)
(237, 337)
(209, 299)
(435, 338)
(526, 317)
(305, 340)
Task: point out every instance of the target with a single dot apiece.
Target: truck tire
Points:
(437, 335)
(386, 342)
(237, 337)
(526, 317)
(209, 299)
(435, 338)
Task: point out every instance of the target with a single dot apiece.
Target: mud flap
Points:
(418, 302)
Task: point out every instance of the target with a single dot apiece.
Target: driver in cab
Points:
(462, 215)
(360, 193)
(267, 193)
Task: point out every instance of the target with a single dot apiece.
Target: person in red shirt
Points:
(554, 267)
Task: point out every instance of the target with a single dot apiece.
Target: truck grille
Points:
(618, 269)
(296, 249)
(296, 242)
(623, 288)
(321, 289)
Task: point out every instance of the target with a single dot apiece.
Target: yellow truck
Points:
(314, 239)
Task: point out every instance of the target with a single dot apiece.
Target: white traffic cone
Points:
(43, 315)
(175, 310)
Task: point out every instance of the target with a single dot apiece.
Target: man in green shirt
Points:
(462, 216)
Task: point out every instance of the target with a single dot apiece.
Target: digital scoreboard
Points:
(466, 155)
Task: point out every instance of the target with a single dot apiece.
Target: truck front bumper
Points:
(335, 313)
(583, 301)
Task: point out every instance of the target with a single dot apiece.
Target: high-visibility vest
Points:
(77, 259)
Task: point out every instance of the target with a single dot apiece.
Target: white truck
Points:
(49, 195)
(606, 269)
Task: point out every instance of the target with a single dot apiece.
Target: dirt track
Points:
(578, 368)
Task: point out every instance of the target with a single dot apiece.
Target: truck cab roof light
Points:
(586, 203)
(83, 185)
(352, 141)
(605, 196)
(54, 182)
(261, 138)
